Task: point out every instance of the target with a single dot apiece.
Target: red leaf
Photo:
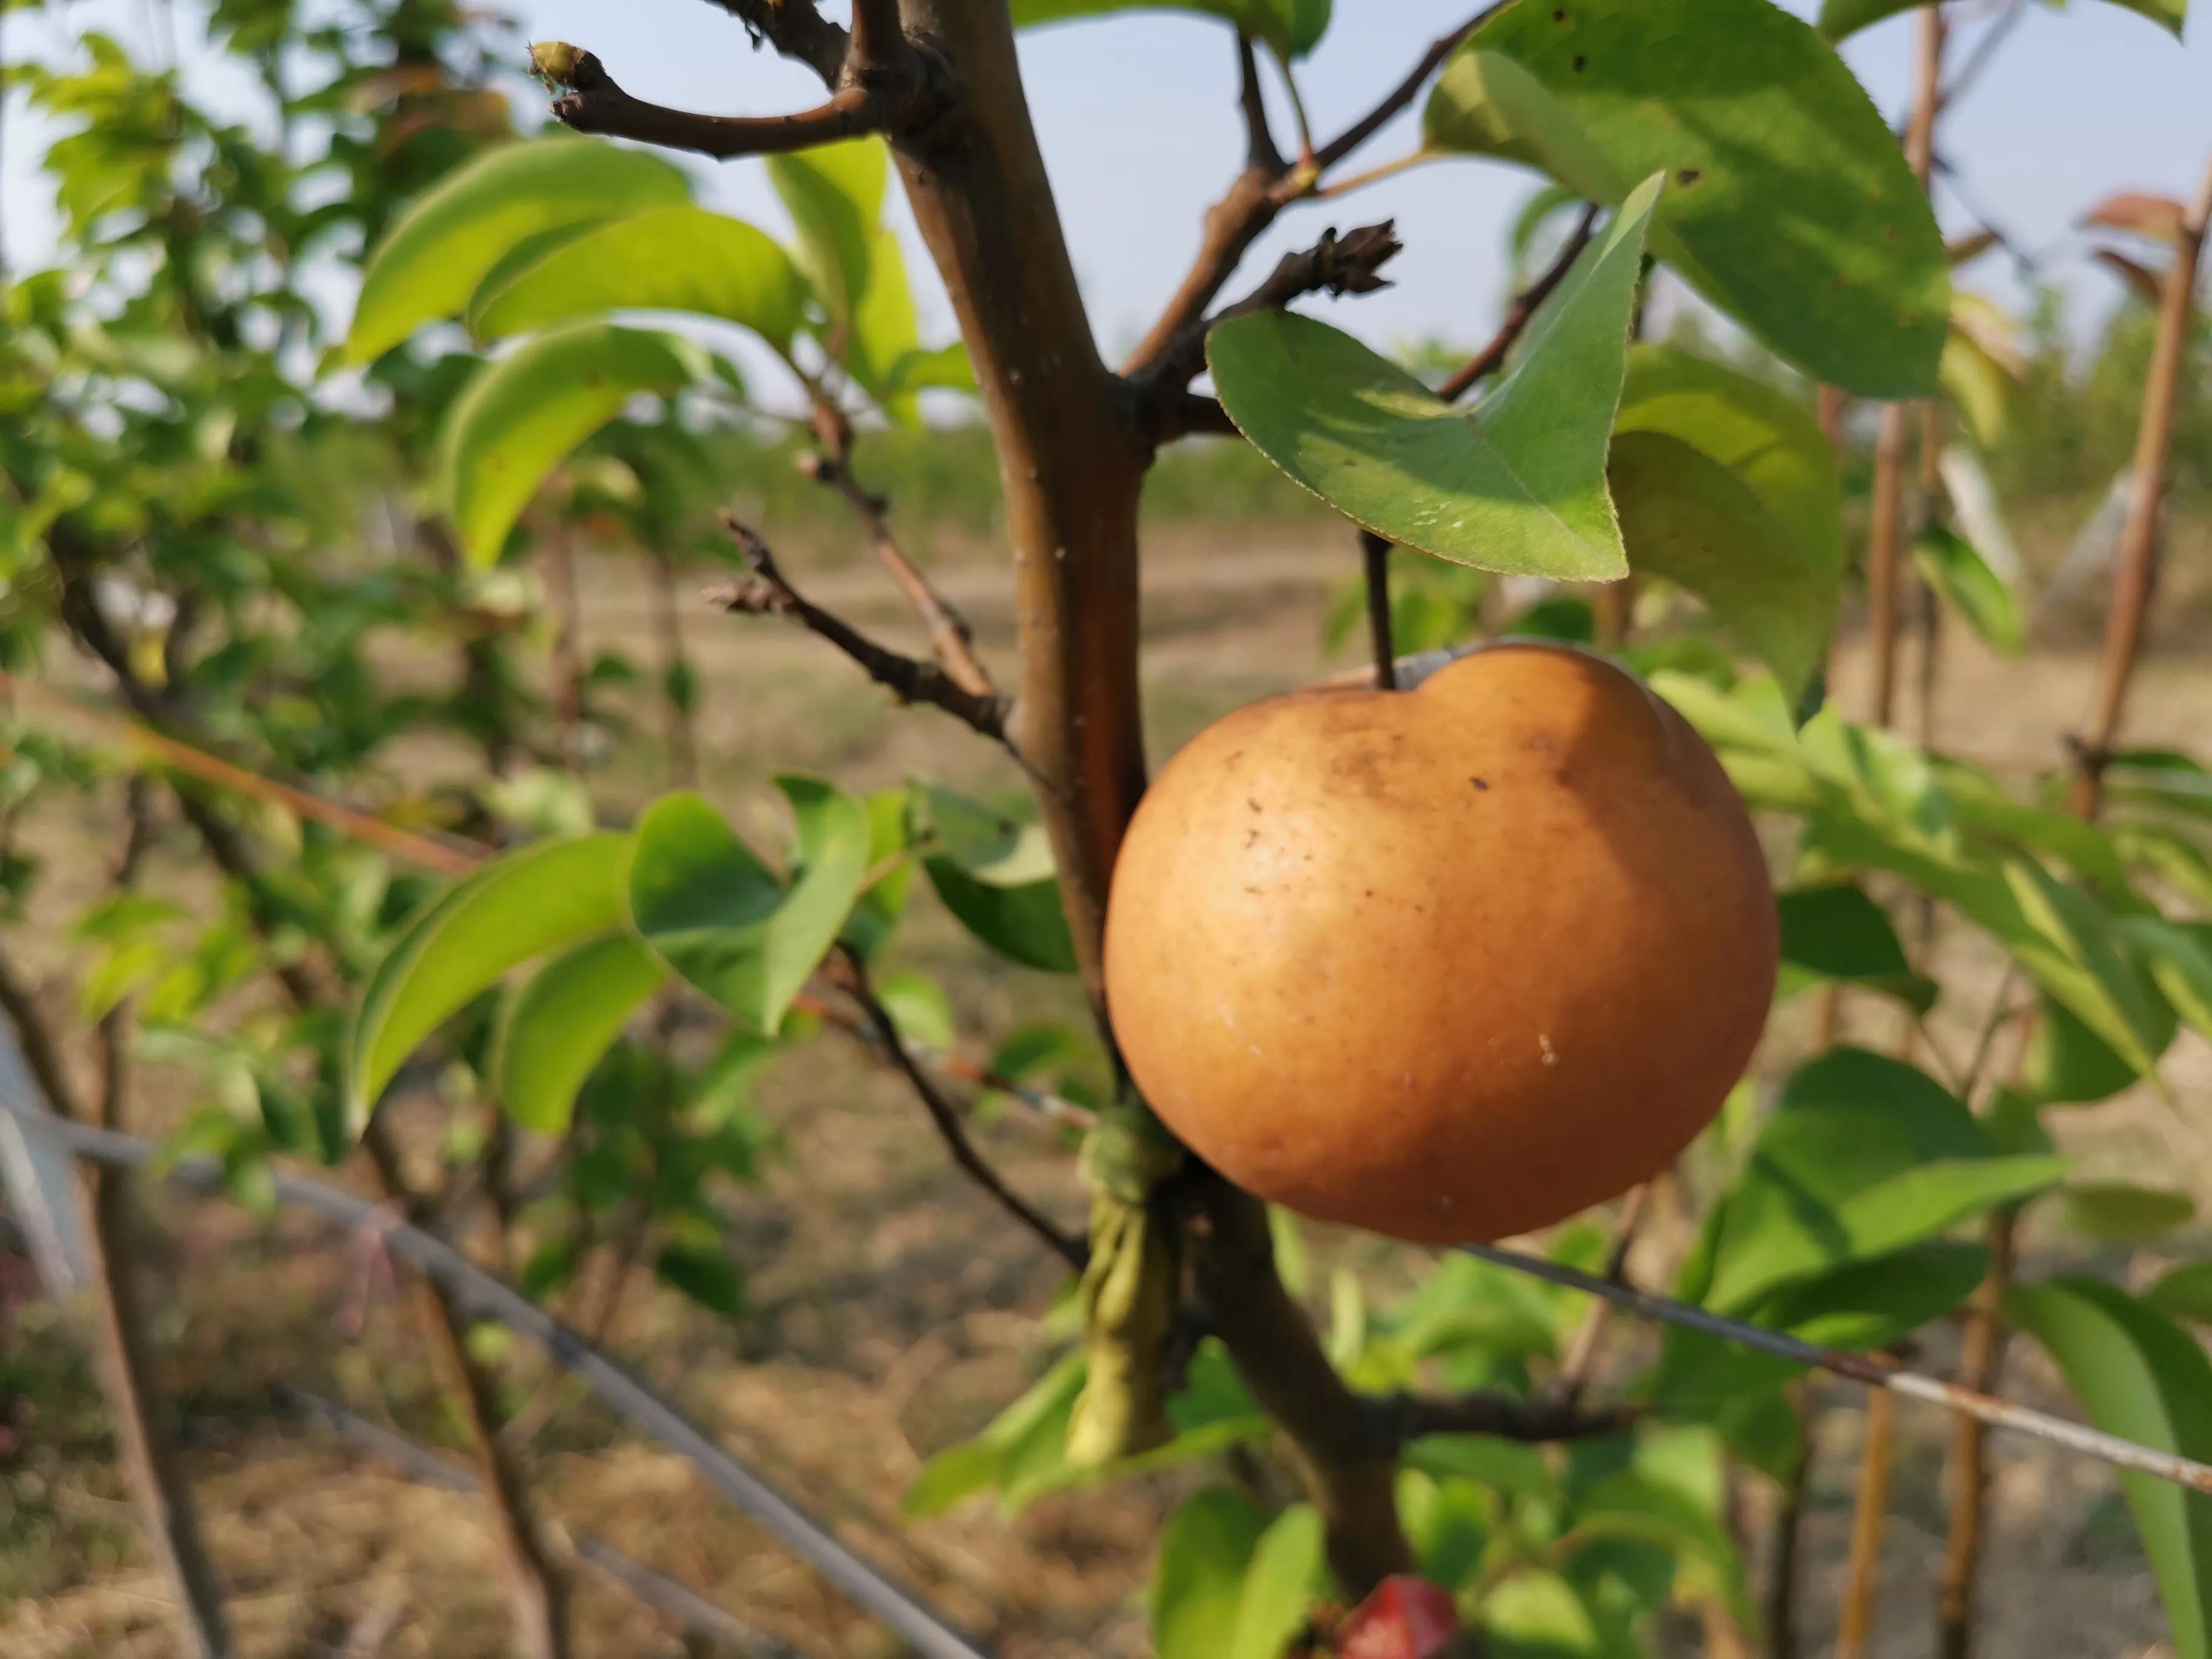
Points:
(1405, 1618)
(2156, 216)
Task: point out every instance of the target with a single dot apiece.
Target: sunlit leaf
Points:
(430, 262)
(2141, 1377)
(677, 258)
(1862, 1156)
(2185, 1293)
(523, 415)
(1792, 209)
(519, 907)
(1842, 18)
(721, 918)
(1689, 519)
(556, 1026)
(1286, 1576)
(1198, 1584)
(995, 874)
(1969, 588)
(1518, 486)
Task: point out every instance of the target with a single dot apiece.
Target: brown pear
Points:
(1450, 963)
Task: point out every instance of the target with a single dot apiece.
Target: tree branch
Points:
(1260, 151)
(952, 642)
(769, 593)
(1336, 265)
(794, 29)
(596, 104)
(1405, 92)
(1544, 1417)
(887, 1038)
(1519, 314)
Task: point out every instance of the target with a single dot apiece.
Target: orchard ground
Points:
(893, 1309)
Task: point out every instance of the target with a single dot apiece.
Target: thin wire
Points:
(1859, 1368)
(897, 1608)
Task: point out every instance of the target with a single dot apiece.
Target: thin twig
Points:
(948, 1126)
(952, 642)
(1350, 264)
(596, 103)
(491, 1297)
(796, 30)
(197, 763)
(1374, 562)
(771, 594)
(1869, 1519)
(1520, 313)
(1581, 1350)
(1329, 154)
(1259, 149)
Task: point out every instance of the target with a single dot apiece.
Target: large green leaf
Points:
(1198, 1586)
(676, 258)
(1834, 934)
(719, 916)
(532, 900)
(1688, 519)
(2123, 1212)
(1842, 18)
(835, 194)
(1519, 486)
(556, 1026)
(1793, 210)
(1293, 27)
(1966, 585)
(1286, 1577)
(2141, 1377)
(2185, 1292)
(523, 416)
(430, 262)
(2177, 956)
(1862, 1156)
(995, 874)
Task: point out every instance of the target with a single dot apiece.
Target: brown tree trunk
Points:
(1072, 461)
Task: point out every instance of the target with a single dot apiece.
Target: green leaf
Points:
(1291, 27)
(1536, 1615)
(430, 262)
(917, 1005)
(1840, 19)
(1862, 1156)
(1974, 591)
(835, 194)
(1198, 1586)
(520, 906)
(1770, 440)
(2068, 1064)
(717, 915)
(1792, 210)
(675, 258)
(1691, 520)
(2177, 956)
(978, 1464)
(556, 1027)
(995, 874)
(1856, 1306)
(1632, 1504)
(2185, 1293)
(522, 416)
(706, 1276)
(1835, 932)
(2140, 1376)
(2122, 1212)
(1286, 1577)
(1448, 1524)
(1518, 486)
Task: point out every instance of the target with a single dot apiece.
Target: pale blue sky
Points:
(1137, 120)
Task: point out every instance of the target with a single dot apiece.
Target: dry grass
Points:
(896, 1310)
